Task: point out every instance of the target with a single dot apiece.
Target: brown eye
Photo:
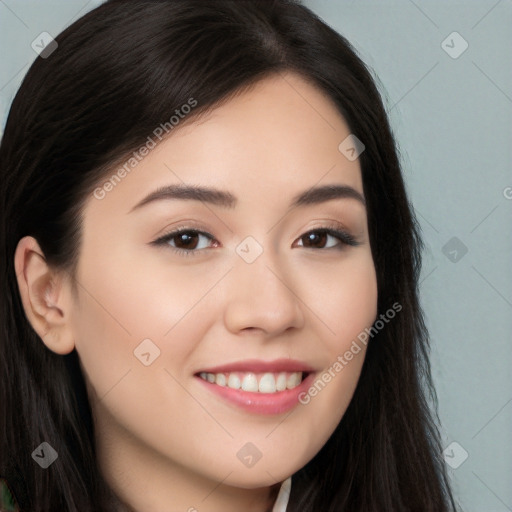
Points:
(320, 239)
(315, 239)
(185, 240)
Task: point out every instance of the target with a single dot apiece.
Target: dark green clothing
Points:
(7, 502)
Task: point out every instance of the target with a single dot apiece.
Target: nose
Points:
(261, 296)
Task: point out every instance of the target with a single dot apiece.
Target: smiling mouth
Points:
(266, 382)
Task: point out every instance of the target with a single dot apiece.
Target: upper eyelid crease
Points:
(225, 199)
(337, 232)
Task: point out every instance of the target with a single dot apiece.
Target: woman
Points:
(210, 272)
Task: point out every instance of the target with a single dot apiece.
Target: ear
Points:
(45, 295)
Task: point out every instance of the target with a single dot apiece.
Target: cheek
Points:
(346, 304)
(124, 303)
(343, 299)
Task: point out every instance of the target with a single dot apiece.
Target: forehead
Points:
(273, 140)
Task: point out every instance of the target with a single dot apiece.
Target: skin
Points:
(162, 437)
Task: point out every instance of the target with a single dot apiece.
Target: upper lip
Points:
(260, 366)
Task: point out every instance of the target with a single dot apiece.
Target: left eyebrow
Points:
(325, 193)
(226, 199)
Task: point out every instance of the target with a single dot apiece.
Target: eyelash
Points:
(333, 230)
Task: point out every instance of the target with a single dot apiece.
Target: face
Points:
(255, 279)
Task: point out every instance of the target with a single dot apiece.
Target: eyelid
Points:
(337, 230)
(163, 239)
(332, 228)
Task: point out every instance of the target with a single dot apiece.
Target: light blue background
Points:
(452, 118)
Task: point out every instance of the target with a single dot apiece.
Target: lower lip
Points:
(261, 403)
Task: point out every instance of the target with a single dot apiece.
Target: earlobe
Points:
(44, 296)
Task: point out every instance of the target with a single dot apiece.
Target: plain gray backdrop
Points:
(444, 70)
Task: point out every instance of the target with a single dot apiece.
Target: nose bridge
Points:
(260, 294)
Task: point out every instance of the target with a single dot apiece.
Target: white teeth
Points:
(220, 379)
(267, 383)
(250, 382)
(233, 381)
(281, 382)
(293, 380)
(253, 382)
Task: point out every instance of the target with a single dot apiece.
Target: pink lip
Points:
(259, 366)
(261, 403)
